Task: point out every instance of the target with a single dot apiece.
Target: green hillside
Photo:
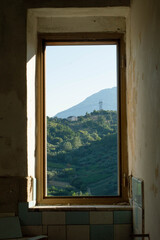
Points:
(82, 155)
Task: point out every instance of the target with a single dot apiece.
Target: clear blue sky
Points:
(75, 72)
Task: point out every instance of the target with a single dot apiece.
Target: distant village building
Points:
(72, 118)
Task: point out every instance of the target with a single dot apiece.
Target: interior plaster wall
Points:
(142, 91)
(13, 109)
(142, 99)
(17, 155)
(143, 105)
(17, 125)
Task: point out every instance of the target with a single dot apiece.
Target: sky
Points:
(75, 72)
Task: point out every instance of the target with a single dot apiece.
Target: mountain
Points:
(108, 97)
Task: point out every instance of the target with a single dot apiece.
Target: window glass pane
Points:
(82, 122)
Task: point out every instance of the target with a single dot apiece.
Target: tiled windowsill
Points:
(81, 208)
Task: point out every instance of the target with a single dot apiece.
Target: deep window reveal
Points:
(80, 164)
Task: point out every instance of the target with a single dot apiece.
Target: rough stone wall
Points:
(143, 105)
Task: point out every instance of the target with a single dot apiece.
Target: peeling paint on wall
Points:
(143, 105)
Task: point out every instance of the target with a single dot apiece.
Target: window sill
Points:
(81, 208)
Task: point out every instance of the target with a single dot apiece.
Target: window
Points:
(81, 147)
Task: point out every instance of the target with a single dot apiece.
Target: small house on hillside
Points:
(72, 118)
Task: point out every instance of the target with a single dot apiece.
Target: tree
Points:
(76, 142)
(67, 146)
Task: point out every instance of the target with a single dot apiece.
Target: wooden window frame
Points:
(80, 39)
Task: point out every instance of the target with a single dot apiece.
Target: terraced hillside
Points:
(82, 155)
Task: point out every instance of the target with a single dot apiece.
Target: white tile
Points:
(78, 232)
(99, 217)
(122, 231)
(56, 233)
(53, 218)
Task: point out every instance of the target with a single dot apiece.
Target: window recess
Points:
(81, 119)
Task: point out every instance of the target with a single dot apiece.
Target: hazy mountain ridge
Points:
(108, 97)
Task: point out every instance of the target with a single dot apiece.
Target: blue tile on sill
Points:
(122, 217)
(137, 219)
(140, 193)
(137, 191)
(77, 217)
(101, 232)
